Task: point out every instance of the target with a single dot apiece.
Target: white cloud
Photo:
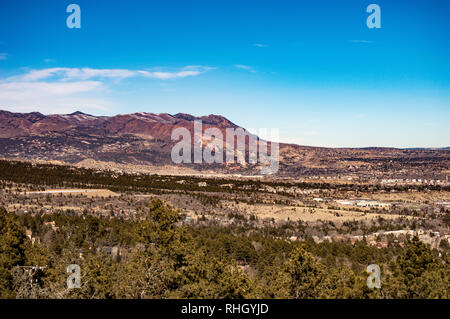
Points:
(67, 74)
(54, 88)
(60, 90)
(52, 97)
(244, 67)
(260, 45)
(184, 72)
(171, 75)
(361, 41)
(3, 56)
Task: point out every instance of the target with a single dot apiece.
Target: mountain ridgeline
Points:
(145, 139)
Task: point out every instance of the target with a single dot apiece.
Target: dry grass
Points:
(306, 214)
(84, 192)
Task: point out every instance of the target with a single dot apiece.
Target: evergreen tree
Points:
(12, 251)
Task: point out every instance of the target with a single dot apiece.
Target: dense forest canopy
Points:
(165, 259)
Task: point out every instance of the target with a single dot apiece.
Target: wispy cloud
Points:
(244, 67)
(260, 45)
(49, 60)
(361, 41)
(47, 97)
(3, 56)
(185, 72)
(59, 88)
(67, 74)
(69, 89)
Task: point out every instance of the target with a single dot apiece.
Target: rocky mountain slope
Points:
(145, 139)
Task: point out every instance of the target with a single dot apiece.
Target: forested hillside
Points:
(165, 259)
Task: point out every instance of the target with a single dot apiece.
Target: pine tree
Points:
(12, 251)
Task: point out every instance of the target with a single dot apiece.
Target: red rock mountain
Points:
(151, 125)
(145, 139)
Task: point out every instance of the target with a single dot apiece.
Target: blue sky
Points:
(310, 68)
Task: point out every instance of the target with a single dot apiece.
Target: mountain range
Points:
(145, 139)
(150, 125)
